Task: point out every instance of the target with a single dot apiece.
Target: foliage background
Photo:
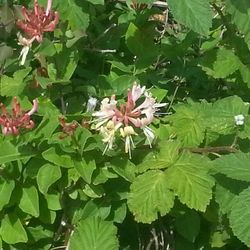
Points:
(191, 190)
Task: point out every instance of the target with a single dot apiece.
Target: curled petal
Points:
(34, 108)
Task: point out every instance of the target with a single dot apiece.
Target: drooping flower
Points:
(38, 21)
(130, 116)
(19, 119)
(34, 23)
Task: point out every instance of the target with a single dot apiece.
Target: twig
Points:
(101, 50)
(172, 100)
(113, 25)
(229, 149)
(156, 3)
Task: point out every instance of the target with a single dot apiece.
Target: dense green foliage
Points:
(191, 190)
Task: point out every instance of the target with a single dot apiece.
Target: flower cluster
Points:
(19, 119)
(34, 24)
(127, 118)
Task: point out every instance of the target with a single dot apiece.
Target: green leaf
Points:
(140, 40)
(85, 168)
(239, 217)
(53, 201)
(47, 175)
(193, 134)
(188, 225)
(13, 86)
(94, 233)
(167, 156)
(189, 179)
(220, 64)
(70, 11)
(11, 230)
(235, 166)
(149, 196)
(124, 168)
(195, 14)
(6, 188)
(226, 190)
(29, 202)
(240, 13)
(9, 153)
(58, 157)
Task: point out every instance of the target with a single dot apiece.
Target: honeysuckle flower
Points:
(108, 132)
(239, 119)
(34, 23)
(127, 133)
(129, 115)
(38, 21)
(19, 119)
(26, 43)
(68, 128)
(91, 104)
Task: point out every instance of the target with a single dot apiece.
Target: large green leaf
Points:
(47, 175)
(190, 180)
(6, 188)
(240, 216)
(94, 233)
(11, 230)
(226, 190)
(235, 166)
(240, 12)
(193, 134)
(195, 14)
(29, 202)
(149, 196)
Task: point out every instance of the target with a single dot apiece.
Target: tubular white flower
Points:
(127, 133)
(108, 133)
(149, 133)
(91, 104)
(137, 92)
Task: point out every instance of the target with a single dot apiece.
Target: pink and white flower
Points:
(128, 117)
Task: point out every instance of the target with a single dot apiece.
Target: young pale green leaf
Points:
(94, 233)
(193, 134)
(240, 13)
(239, 217)
(12, 230)
(150, 195)
(235, 166)
(195, 14)
(6, 188)
(29, 202)
(190, 180)
(47, 175)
